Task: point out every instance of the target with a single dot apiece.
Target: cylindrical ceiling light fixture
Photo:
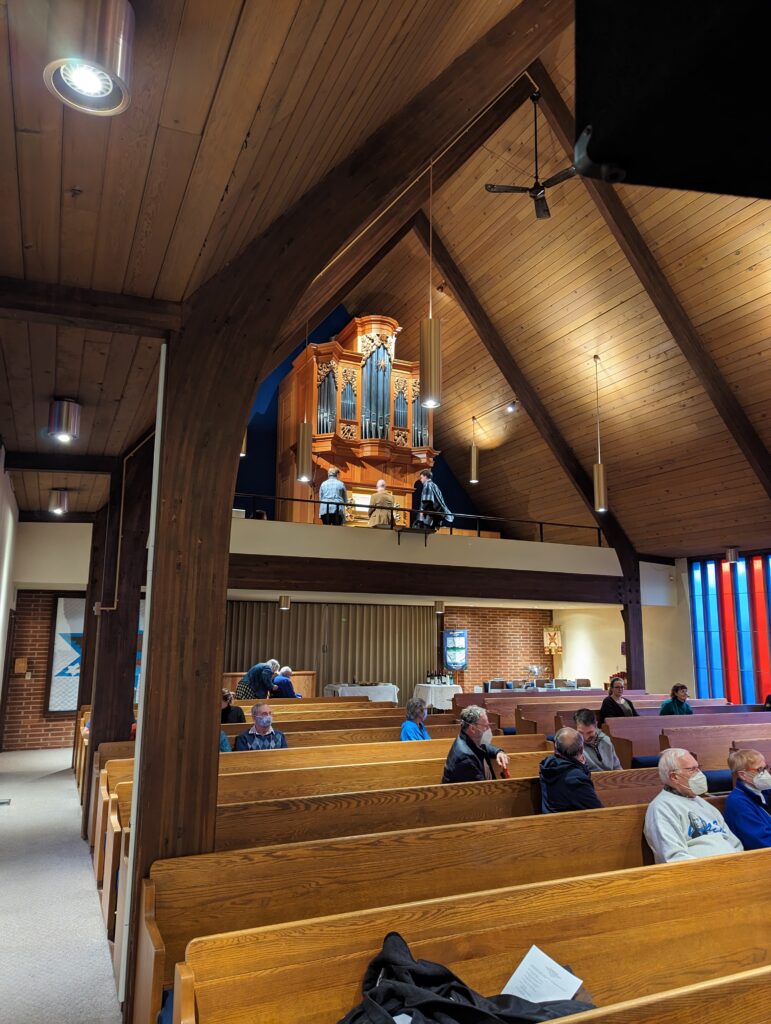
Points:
(474, 468)
(732, 555)
(243, 447)
(600, 483)
(304, 456)
(58, 501)
(439, 607)
(430, 329)
(64, 419)
(91, 70)
(284, 603)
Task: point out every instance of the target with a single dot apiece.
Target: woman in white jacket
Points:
(679, 824)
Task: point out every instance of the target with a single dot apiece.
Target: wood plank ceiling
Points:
(238, 109)
(559, 291)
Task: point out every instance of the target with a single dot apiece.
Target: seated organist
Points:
(472, 755)
(566, 781)
(262, 735)
(599, 751)
(414, 725)
(616, 705)
(747, 807)
(679, 824)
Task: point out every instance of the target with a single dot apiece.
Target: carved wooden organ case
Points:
(367, 420)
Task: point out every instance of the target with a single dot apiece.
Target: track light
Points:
(600, 483)
(512, 406)
(58, 501)
(63, 419)
(732, 555)
(243, 447)
(474, 468)
(304, 457)
(92, 71)
(284, 603)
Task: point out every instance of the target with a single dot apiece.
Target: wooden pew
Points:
(483, 936)
(291, 726)
(464, 700)
(711, 744)
(105, 752)
(185, 897)
(760, 743)
(565, 718)
(542, 717)
(640, 737)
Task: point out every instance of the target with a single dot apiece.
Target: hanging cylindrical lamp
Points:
(598, 473)
(92, 69)
(64, 419)
(304, 456)
(474, 468)
(58, 501)
(242, 453)
(430, 329)
(732, 555)
(284, 603)
(439, 607)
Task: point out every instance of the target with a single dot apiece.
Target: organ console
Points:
(364, 407)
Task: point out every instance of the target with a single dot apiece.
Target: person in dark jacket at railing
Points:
(332, 499)
(566, 781)
(616, 705)
(433, 509)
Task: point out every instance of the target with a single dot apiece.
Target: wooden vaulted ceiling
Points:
(238, 109)
(561, 290)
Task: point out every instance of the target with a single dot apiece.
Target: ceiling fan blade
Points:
(507, 188)
(542, 211)
(560, 176)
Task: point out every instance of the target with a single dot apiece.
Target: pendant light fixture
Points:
(474, 469)
(732, 555)
(439, 607)
(304, 455)
(92, 70)
(58, 501)
(243, 447)
(64, 419)
(284, 603)
(600, 483)
(430, 329)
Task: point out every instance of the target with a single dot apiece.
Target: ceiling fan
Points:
(537, 191)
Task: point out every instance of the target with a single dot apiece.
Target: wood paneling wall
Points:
(371, 643)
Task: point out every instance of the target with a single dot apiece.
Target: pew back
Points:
(711, 744)
(640, 737)
(483, 936)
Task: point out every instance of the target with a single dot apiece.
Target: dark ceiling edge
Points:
(61, 462)
(49, 517)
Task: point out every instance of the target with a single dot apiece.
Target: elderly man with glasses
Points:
(679, 824)
(747, 808)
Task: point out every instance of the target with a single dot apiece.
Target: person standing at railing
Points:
(381, 506)
(433, 508)
(332, 499)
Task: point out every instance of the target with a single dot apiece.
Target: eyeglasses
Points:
(688, 771)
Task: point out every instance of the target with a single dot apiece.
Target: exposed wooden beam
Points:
(49, 517)
(525, 392)
(361, 254)
(36, 302)
(339, 575)
(61, 462)
(658, 288)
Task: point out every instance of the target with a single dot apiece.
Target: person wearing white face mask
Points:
(748, 805)
(679, 824)
(472, 755)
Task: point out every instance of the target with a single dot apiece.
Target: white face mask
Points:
(761, 782)
(698, 784)
(486, 736)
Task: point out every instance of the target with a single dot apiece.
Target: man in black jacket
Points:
(472, 755)
(566, 782)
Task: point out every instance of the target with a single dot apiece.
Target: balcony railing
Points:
(262, 506)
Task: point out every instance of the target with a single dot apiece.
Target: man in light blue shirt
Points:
(414, 726)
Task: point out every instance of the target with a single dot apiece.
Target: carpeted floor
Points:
(54, 959)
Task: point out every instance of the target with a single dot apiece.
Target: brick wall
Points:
(27, 725)
(501, 641)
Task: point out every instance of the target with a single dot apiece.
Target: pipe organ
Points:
(364, 407)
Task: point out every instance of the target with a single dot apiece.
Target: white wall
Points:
(668, 639)
(52, 556)
(9, 515)
(591, 643)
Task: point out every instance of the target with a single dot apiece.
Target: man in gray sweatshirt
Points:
(679, 824)
(600, 753)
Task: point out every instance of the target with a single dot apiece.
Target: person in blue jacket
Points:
(747, 810)
(414, 727)
(566, 781)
